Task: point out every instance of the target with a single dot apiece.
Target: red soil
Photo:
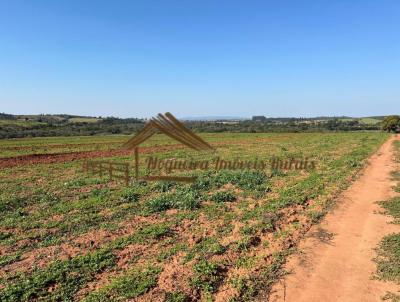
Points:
(33, 159)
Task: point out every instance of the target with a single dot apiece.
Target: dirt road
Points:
(335, 262)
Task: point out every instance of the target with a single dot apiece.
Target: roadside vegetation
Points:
(388, 259)
(65, 235)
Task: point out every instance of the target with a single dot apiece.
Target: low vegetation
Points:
(65, 235)
(388, 258)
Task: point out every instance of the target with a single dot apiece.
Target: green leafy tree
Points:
(391, 123)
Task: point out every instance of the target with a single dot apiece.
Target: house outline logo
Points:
(170, 126)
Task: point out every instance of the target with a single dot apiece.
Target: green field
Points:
(69, 236)
(363, 120)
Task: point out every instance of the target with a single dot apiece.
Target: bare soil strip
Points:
(53, 146)
(33, 159)
(50, 158)
(335, 262)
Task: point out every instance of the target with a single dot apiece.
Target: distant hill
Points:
(213, 118)
(363, 120)
(49, 118)
(14, 126)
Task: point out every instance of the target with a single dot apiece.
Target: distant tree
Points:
(259, 118)
(6, 116)
(391, 123)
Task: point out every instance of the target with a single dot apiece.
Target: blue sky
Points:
(200, 58)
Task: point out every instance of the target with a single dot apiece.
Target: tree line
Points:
(61, 125)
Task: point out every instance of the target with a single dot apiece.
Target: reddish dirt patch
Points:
(134, 254)
(16, 148)
(175, 276)
(40, 258)
(82, 244)
(33, 159)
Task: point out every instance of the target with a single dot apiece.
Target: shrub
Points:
(391, 123)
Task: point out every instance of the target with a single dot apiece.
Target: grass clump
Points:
(163, 186)
(207, 247)
(159, 204)
(7, 259)
(246, 287)
(248, 230)
(148, 233)
(302, 191)
(204, 181)
(166, 254)
(182, 199)
(388, 260)
(244, 179)
(392, 207)
(154, 231)
(392, 297)
(61, 280)
(177, 297)
(252, 285)
(246, 243)
(12, 203)
(100, 193)
(223, 196)
(130, 195)
(206, 276)
(128, 286)
(4, 236)
(186, 199)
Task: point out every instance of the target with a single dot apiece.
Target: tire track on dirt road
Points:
(335, 260)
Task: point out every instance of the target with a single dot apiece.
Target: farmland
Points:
(66, 235)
